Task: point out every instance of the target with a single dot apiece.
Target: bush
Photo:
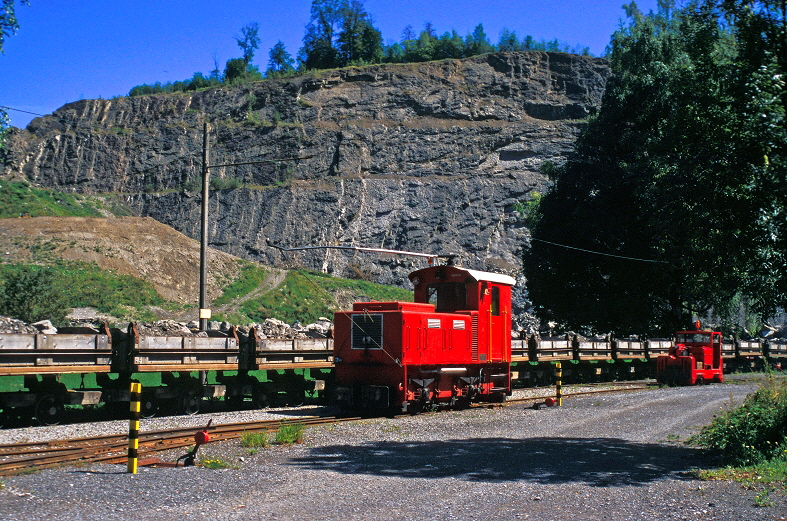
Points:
(29, 293)
(752, 433)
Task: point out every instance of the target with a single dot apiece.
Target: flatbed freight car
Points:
(41, 374)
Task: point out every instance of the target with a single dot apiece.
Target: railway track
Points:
(18, 458)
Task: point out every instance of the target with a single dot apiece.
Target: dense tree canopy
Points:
(674, 203)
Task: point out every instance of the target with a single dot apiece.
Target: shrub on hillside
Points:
(29, 293)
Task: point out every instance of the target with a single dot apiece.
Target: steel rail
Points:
(111, 448)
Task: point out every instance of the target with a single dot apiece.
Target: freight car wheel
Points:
(49, 410)
(191, 403)
(148, 405)
(260, 399)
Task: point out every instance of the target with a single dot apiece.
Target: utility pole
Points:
(204, 311)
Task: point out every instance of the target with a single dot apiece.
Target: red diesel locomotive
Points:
(450, 347)
(695, 358)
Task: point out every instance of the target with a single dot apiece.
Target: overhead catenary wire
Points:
(4, 107)
(600, 253)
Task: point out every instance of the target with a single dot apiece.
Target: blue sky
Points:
(71, 50)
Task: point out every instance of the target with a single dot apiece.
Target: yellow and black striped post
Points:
(133, 427)
(559, 384)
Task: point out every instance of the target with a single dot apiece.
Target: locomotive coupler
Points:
(200, 438)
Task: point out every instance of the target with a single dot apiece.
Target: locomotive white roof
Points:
(490, 277)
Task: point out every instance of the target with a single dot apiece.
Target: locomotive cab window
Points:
(447, 296)
(495, 301)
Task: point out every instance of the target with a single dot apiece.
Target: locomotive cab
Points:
(451, 346)
(694, 358)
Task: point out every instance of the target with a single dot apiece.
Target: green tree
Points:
(279, 60)
(358, 41)
(422, 49)
(9, 25)
(319, 46)
(249, 41)
(508, 41)
(340, 33)
(449, 45)
(477, 42)
(238, 71)
(29, 294)
(671, 205)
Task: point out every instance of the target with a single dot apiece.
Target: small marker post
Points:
(133, 427)
(559, 384)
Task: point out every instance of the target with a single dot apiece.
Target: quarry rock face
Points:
(438, 157)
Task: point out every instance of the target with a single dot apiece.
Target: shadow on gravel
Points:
(598, 462)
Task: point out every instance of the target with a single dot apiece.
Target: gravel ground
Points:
(603, 457)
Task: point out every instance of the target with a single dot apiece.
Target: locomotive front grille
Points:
(367, 331)
(475, 338)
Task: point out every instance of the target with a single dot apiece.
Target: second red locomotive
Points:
(451, 346)
(694, 358)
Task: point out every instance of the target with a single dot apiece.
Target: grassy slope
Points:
(303, 296)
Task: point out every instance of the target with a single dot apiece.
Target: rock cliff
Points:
(436, 157)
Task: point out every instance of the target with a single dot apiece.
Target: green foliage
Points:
(249, 41)
(86, 284)
(197, 82)
(280, 62)
(47, 292)
(254, 439)
(31, 293)
(341, 33)
(306, 296)
(8, 22)
(18, 198)
(671, 205)
(5, 130)
(211, 462)
(753, 433)
(289, 433)
(225, 183)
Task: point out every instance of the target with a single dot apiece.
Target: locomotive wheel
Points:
(148, 405)
(191, 403)
(49, 410)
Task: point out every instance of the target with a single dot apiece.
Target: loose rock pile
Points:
(12, 325)
(270, 328)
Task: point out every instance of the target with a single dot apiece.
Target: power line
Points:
(20, 110)
(600, 253)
